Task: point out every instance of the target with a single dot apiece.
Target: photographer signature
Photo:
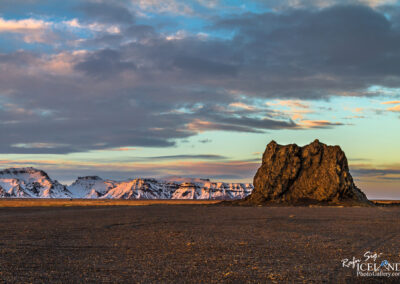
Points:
(368, 255)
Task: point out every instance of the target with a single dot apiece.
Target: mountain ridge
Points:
(29, 182)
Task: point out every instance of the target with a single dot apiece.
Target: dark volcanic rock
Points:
(313, 174)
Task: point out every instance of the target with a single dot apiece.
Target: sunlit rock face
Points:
(149, 188)
(180, 188)
(141, 189)
(34, 183)
(315, 173)
(90, 187)
(212, 190)
(30, 183)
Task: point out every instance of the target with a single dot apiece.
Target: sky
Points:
(147, 88)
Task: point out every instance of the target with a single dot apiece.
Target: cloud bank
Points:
(129, 83)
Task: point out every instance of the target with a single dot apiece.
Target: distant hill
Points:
(35, 183)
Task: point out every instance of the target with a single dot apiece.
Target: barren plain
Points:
(178, 243)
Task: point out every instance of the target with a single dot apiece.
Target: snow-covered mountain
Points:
(30, 183)
(141, 189)
(179, 188)
(34, 183)
(90, 187)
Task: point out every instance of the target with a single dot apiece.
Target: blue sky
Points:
(198, 88)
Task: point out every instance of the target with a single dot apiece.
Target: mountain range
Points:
(34, 183)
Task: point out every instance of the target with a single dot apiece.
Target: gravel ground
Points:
(193, 243)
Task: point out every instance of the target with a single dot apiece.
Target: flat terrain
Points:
(51, 202)
(192, 243)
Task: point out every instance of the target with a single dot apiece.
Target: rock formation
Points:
(313, 174)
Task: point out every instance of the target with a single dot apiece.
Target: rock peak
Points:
(24, 170)
(314, 173)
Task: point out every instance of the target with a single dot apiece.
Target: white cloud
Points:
(279, 4)
(165, 6)
(32, 30)
(242, 106)
(181, 34)
(209, 3)
(375, 3)
(21, 25)
(297, 109)
(61, 63)
(96, 27)
(318, 124)
(38, 145)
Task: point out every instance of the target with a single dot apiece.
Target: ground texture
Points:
(192, 243)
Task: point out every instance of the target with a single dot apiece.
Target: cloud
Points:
(291, 104)
(204, 141)
(242, 124)
(310, 54)
(137, 88)
(93, 26)
(354, 116)
(190, 157)
(21, 25)
(38, 145)
(318, 124)
(181, 34)
(241, 105)
(67, 171)
(209, 3)
(32, 30)
(197, 65)
(382, 173)
(166, 6)
(107, 12)
(198, 125)
(104, 64)
(391, 103)
(377, 181)
(120, 149)
(320, 4)
(395, 108)
(296, 109)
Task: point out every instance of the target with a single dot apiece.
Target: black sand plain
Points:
(192, 243)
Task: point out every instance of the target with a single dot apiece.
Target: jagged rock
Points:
(313, 174)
